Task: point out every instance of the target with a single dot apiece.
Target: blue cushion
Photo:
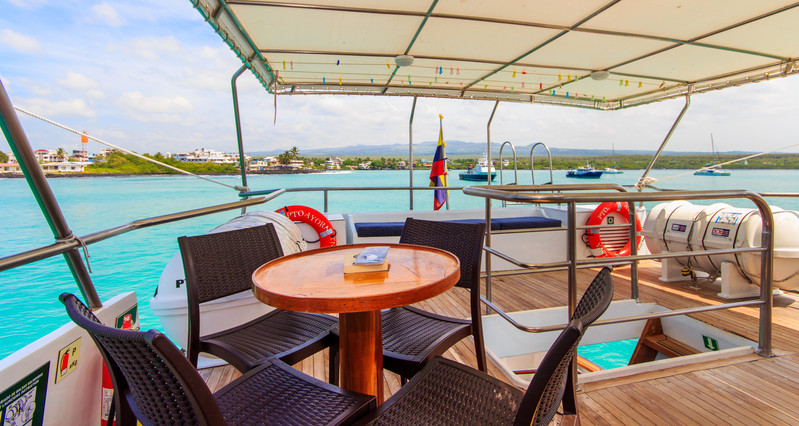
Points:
(394, 229)
(525, 222)
(379, 229)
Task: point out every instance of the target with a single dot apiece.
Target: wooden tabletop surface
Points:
(314, 280)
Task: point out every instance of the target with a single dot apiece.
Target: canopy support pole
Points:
(488, 208)
(242, 159)
(20, 146)
(641, 181)
(410, 149)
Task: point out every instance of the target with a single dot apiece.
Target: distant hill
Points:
(461, 148)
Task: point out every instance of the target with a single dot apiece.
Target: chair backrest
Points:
(464, 240)
(549, 383)
(598, 294)
(221, 264)
(152, 380)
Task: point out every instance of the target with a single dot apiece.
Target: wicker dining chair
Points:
(156, 385)
(446, 392)
(222, 264)
(412, 336)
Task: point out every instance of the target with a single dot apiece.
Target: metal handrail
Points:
(767, 242)
(61, 247)
(672, 313)
(532, 163)
(515, 164)
(502, 169)
(326, 189)
(555, 266)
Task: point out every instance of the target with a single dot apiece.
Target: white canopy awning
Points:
(602, 54)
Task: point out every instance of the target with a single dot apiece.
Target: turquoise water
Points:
(609, 355)
(134, 261)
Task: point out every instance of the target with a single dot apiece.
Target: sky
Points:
(151, 76)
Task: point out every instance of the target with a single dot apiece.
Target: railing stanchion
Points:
(571, 255)
(766, 275)
(632, 220)
(239, 140)
(487, 262)
(410, 151)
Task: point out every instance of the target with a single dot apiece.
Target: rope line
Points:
(69, 129)
(70, 238)
(651, 180)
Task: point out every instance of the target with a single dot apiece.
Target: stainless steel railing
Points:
(64, 246)
(325, 190)
(531, 195)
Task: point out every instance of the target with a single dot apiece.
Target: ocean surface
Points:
(133, 261)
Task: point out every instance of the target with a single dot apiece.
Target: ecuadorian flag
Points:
(438, 174)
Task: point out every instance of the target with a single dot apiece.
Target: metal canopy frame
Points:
(567, 79)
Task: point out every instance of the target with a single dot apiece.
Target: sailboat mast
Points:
(713, 148)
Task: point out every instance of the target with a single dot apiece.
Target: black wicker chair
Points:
(157, 385)
(221, 264)
(446, 392)
(412, 336)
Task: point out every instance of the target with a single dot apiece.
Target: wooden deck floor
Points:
(744, 390)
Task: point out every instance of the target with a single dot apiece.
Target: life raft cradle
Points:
(593, 238)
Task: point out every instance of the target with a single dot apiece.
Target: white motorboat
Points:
(480, 171)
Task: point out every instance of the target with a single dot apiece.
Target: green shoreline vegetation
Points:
(120, 163)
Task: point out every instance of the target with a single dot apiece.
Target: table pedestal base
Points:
(361, 351)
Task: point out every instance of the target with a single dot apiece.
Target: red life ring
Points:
(598, 218)
(318, 221)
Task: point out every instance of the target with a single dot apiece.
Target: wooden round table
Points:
(314, 281)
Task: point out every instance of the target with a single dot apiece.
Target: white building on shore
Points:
(208, 156)
(333, 163)
(65, 167)
(10, 168)
(263, 164)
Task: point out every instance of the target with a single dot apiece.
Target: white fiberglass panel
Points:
(282, 28)
(682, 20)
(560, 13)
(589, 52)
(403, 5)
(692, 63)
(767, 35)
(452, 38)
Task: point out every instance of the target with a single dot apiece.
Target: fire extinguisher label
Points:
(129, 319)
(108, 396)
(67, 360)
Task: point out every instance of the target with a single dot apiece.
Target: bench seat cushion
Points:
(394, 229)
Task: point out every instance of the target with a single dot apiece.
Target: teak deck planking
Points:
(745, 390)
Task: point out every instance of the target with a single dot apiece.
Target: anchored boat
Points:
(584, 172)
(480, 171)
(712, 170)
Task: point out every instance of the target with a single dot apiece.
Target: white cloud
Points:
(154, 108)
(28, 4)
(151, 48)
(19, 42)
(78, 81)
(107, 14)
(71, 107)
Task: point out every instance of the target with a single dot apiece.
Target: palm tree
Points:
(294, 152)
(61, 154)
